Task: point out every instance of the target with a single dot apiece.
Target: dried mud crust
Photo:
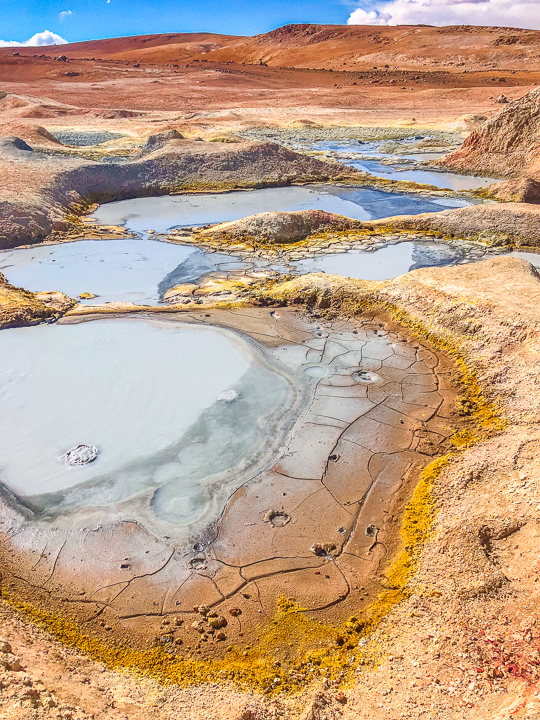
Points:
(318, 527)
(463, 642)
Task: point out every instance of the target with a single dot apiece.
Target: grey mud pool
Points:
(143, 269)
(177, 412)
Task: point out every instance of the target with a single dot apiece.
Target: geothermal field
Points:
(270, 376)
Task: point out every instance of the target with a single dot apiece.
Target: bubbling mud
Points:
(230, 473)
(178, 412)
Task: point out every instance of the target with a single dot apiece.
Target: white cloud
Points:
(502, 13)
(43, 38)
(65, 14)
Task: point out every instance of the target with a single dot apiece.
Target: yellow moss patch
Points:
(293, 649)
(20, 307)
(463, 439)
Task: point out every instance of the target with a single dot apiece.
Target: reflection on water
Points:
(163, 213)
(383, 264)
(353, 153)
(443, 180)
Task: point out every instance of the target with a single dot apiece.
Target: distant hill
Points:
(325, 46)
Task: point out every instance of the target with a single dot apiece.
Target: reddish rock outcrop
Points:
(508, 145)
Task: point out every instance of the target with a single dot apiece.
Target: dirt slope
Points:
(509, 145)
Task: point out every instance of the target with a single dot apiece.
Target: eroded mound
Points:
(507, 145)
(43, 192)
(280, 227)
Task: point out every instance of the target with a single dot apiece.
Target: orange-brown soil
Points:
(434, 76)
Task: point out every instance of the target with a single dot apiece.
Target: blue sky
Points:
(89, 19)
(42, 22)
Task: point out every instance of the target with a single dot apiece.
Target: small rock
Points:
(502, 99)
(218, 622)
(198, 563)
(10, 662)
(5, 647)
(80, 455)
(319, 549)
(234, 611)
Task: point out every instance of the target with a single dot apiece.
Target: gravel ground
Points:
(292, 137)
(81, 138)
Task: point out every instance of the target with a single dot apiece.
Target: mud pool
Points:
(141, 271)
(385, 263)
(231, 470)
(172, 211)
(371, 158)
(179, 413)
(136, 271)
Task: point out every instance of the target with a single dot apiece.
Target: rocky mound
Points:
(508, 145)
(20, 307)
(35, 135)
(40, 191)
(159, 140)
(494, 224)
(280, 227)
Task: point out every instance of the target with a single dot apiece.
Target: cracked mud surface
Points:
(316, 526)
